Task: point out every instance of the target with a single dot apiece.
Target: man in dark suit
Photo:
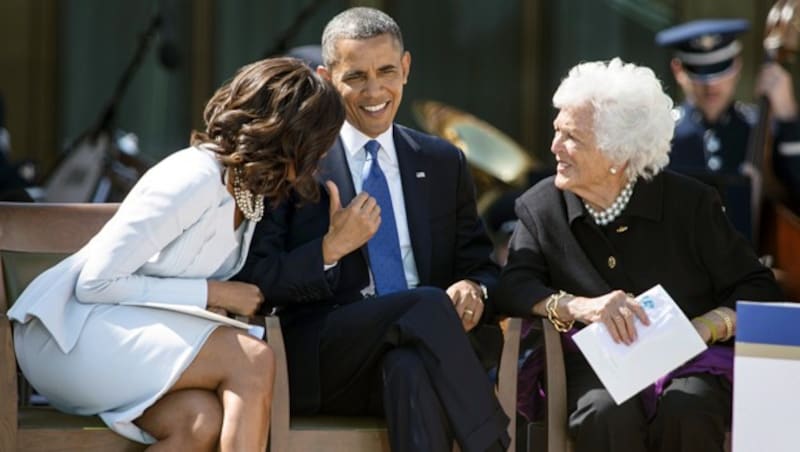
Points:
(346, 274)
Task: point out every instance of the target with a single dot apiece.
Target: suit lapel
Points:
(334, 167)
(414, 174)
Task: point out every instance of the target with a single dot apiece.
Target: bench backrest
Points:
(33, 237)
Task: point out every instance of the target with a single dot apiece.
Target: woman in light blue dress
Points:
(110, 329)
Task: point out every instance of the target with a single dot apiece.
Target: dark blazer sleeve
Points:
(286, 274)
(525, 275)
(449, 238)
(730, 261)
(473, 245)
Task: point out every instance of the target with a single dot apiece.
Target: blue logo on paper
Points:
(647, 302)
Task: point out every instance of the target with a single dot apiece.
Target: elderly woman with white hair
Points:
(612, 223)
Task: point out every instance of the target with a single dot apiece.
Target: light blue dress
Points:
(80, 336)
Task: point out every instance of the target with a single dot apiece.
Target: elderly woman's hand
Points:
(615, 309)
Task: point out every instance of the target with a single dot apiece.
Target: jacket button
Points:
(612, 262)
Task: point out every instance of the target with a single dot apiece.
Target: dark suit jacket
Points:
(673, 232)
(285, 259)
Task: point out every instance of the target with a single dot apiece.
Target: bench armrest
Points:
(8, 387)
(507, 375)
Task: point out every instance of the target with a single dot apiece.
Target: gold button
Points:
(612, 262)
(622, 229)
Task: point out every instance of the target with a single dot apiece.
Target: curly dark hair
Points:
(276, 115)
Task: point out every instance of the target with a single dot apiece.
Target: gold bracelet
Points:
(729, 332)
(550, 307)
(710, 325)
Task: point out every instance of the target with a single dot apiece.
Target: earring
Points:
(612, 170)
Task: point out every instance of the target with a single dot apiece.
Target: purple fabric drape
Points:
(716, 360)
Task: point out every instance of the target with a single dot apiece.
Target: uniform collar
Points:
(692, 112)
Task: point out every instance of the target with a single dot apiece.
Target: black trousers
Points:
(692, 414)
(405, 356)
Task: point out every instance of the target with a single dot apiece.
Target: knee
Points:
(434, 299)
(245, 358)
(433, 294)
(261, 362)
(597, 411)
(200, 423)
(690, 411)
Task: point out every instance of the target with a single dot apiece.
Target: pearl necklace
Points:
(607, 216)
(252, 207)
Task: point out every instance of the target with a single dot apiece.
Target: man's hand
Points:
(350, 227)
(234, 296)
(775, 82)
(467, 299)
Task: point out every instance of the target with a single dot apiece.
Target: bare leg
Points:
(188, 419)
(240, 370)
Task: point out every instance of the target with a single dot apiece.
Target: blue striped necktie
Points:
(385, 260)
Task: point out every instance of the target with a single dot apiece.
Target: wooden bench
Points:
(33, 237)
(367, 434)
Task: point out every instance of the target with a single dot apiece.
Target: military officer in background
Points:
(712, 129)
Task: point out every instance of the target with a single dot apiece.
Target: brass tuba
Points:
(498, 162)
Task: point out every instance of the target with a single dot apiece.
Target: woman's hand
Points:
(615, 309)
(234, 296)
(217, 310)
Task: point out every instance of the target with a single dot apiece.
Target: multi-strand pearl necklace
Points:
(252, 207)
(607, 216)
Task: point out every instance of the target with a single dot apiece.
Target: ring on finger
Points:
(469, 312)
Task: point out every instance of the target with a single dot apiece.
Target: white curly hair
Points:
(632, 114)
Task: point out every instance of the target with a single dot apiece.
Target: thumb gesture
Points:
(335, 202)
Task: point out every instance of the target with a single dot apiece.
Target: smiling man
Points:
(377, 283)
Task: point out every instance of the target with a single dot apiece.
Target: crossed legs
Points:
(406, 355)
(220, 402)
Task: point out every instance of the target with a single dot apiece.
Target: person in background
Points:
(377, 283)
(84, 335)
(311, 54)
(712, 130)
(613, 223)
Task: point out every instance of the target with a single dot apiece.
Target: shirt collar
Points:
(354, 141)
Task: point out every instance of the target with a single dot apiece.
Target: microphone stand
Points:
(85, 173)
(110, 111)
(282, 44)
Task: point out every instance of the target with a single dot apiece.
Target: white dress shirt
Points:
(354, 141)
